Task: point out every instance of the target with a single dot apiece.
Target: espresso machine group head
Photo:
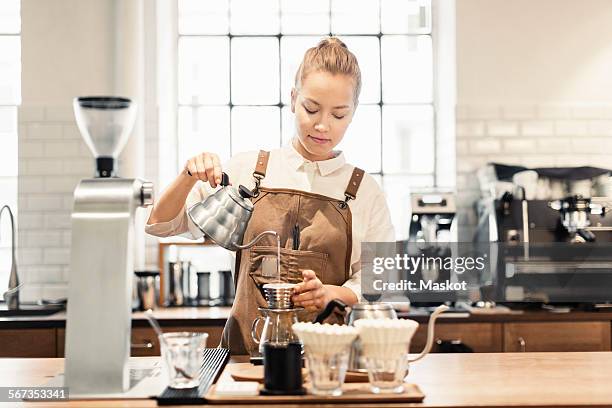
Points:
(102, 262)
(433, 217)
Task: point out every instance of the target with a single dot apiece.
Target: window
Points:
(237, 61)
(10, 98)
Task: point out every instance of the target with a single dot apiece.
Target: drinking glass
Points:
(327, 370)
(182, 358)
(387, 372)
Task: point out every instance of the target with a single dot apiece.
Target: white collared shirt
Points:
(371, 220)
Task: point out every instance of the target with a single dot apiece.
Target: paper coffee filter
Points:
(385, 338)
(389, 331)
(324, 338)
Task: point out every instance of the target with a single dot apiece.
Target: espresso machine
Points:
(550, 231)
(432, 233)
(102, 262)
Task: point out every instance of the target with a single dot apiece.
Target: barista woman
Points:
(306, 186)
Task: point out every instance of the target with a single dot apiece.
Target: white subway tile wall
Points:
(531, 135)
(52, 160)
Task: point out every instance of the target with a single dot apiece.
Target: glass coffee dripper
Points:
(278, 318)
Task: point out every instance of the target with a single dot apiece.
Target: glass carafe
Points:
(276, 327)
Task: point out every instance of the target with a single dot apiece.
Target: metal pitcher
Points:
(224, 215)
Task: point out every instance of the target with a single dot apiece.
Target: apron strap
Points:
(260, 169)
(353, 185)
(262, 164)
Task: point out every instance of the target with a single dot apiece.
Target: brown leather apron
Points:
(325, 247)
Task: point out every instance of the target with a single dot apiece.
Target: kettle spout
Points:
(257, 238)
(430, 332)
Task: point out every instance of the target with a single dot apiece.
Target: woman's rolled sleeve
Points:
(181, 224)
(354, 284)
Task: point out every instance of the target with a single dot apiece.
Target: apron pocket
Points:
(262, 264)
(293, 262)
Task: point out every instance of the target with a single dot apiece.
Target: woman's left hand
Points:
(311, 294)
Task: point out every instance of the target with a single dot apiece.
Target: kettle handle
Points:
(254, 335)
(224, 179)
(430, 332)
(333, 304)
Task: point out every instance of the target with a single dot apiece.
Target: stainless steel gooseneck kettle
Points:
(224, 216)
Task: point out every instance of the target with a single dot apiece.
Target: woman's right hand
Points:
(206, 167)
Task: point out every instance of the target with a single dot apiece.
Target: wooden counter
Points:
(448, 380)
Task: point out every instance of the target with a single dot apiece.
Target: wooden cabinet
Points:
(557, 336)
(578, 332)
(480, 337)
(27, 342)
(144, 339)
(145, 343)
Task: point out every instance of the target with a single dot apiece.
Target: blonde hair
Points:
(333, 56)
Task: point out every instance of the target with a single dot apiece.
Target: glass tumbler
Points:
(327, 370)
(181, 354)
(387, 372)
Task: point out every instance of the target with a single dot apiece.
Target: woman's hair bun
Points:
(330, 42)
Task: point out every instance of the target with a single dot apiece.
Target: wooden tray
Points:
(352, 393)
(256, 373)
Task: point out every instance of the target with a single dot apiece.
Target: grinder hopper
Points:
(105, 123)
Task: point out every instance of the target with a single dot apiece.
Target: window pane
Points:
(204, 129)
(8, 142)
(10, 18)
(407, 69)
(405, 16)
(361, 143)
(355, 16)
(408, 139)
(292, 53)
(255, 74)
(8, 196)
(8, 121)
(10, 70)
(288, 124)
(8, 154)
(203, 17)
(397, 190)
(367, 51)
(203, 70)
(255, 128)
(305, 17)
(254, 17)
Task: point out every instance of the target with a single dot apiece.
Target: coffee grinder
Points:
(102, 261)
